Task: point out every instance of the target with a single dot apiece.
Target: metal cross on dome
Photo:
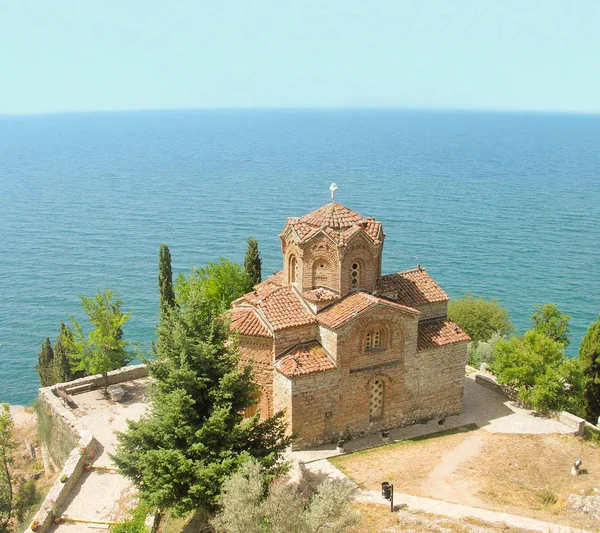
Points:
(333, 188)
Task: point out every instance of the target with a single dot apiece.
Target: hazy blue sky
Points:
(58, 55)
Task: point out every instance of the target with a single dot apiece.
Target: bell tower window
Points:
(355, 275)
(375, 339)
(292, 269)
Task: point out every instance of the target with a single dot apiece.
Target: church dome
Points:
(332, 215)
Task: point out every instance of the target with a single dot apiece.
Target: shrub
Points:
(248, 505)
(480, 318)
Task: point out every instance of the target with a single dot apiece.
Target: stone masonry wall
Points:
(260, 352)
(286, 338)
(435, 310)
(440, 374)
(282, 398)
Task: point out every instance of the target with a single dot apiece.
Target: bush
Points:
(483, 352)
(480, 318)
(538, 367)
(248, 505)
(135, 524)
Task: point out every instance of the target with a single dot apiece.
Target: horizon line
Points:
(307, 108)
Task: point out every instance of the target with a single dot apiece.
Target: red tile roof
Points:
(245, 321)
(413, 288)
(283, 309)
(337, 221)
(320, 295)
(302, 359)
(352, 306)
(439, 332)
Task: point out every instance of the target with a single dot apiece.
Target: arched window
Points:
(375, 339)
(355, 275)
(292, 269)
(377, 397)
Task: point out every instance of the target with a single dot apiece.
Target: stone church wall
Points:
(260, 351)
(282, 398)
(435, 310)
(286, 338)
(441, 373)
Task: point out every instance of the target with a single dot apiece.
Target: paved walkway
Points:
(323, 469)
(102, 494)
(482, 407)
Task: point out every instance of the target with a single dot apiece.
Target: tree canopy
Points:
(104, 348)
(45, 364)
(7, 447)
(165, 278)
(253, 263)
(548, 319)
(589, 360)
(248, 505)
(219, 282)
(480, 318)
(195, 436)
(537, 366)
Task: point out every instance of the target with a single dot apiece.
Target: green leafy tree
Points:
(589, 360)
(548, 319)
(45, 364)
(220, 284)
(103, 349)
(480, 318)
(537, 366)
(195, 435)
(165, 278)
(62, 363)
(253, 263)
(7, 447)
(247, 505)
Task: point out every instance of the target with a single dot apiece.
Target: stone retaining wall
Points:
(65, 425)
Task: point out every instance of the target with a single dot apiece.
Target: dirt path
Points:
(443, 484)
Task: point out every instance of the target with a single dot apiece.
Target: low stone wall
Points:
(66, 427)
(490, 383)
(568, 419)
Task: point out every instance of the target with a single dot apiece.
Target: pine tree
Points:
(253, 263)
(165, 279)
(589, 360)
(62, 364)
(195, 436)
(45, 365)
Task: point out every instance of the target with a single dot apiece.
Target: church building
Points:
(342, 348)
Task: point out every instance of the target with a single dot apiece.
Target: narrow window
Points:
(376, 404)
(355, 275)
(292, 269)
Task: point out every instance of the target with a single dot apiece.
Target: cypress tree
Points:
(62, 364)
(165, 279)
(253, 263)
(589, 359)
(45, 365)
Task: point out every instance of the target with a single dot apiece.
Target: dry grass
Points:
(520, 474)
(406, 464)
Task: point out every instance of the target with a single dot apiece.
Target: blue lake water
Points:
(502, 205)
